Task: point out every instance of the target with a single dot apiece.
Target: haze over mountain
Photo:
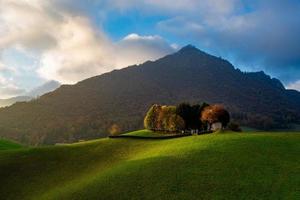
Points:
(89, 108)
(43, 89)
(34, 93)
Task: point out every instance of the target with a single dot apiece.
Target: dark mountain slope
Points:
(89, 108)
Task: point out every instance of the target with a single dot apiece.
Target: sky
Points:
(70, 40)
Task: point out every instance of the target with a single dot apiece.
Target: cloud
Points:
(88, 54)
(258, 34)
(263, 33)
(8, 88)
(294, 85)
(66, 44)
(81, 52)
(136, 49)
(6, 69)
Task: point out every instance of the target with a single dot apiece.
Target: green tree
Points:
(150, 118)
(184, 111)
(175, 123)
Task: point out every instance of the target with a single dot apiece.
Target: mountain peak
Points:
(190, 49)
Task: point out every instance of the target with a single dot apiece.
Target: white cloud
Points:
(5, 69)
(81, 52)
(8, 88)
(67, 46)
(294, 86)
(86, 54)
(136, 49)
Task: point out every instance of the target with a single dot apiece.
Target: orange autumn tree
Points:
(215, 113)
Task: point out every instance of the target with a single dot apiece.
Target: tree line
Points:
(185, 117)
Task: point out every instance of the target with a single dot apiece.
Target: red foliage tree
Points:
(215, 113)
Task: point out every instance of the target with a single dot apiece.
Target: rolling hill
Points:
(215, 166)
(89, 108)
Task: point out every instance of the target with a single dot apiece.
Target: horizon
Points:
(69, 41)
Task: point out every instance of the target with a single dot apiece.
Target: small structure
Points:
(216, 126)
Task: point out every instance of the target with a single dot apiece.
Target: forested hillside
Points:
(121, 98)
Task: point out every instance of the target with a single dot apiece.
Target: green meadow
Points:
(214, 166)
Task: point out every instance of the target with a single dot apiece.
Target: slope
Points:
(217, 166)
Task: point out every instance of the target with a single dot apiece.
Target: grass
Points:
(8, 145)
(215, 166)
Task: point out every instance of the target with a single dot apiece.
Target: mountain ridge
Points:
(89, 108)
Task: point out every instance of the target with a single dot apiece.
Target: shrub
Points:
(114, 130)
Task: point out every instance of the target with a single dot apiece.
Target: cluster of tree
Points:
(185, 117)
(163, 118)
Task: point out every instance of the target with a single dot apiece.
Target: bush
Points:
(114, 130)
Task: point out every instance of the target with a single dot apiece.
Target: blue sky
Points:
(70, 40)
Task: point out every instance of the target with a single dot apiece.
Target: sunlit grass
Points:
(215, 166)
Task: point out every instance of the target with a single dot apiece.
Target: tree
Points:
(215, 113)
(149, 120)
(163, 118)
(184, 111)
(176, 123)
(190, 114)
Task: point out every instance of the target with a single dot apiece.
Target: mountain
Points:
(89, 108)
(34, 93)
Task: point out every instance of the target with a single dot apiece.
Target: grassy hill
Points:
(8, 145)
(215, 166)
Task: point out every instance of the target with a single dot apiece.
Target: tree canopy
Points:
(215, 113)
